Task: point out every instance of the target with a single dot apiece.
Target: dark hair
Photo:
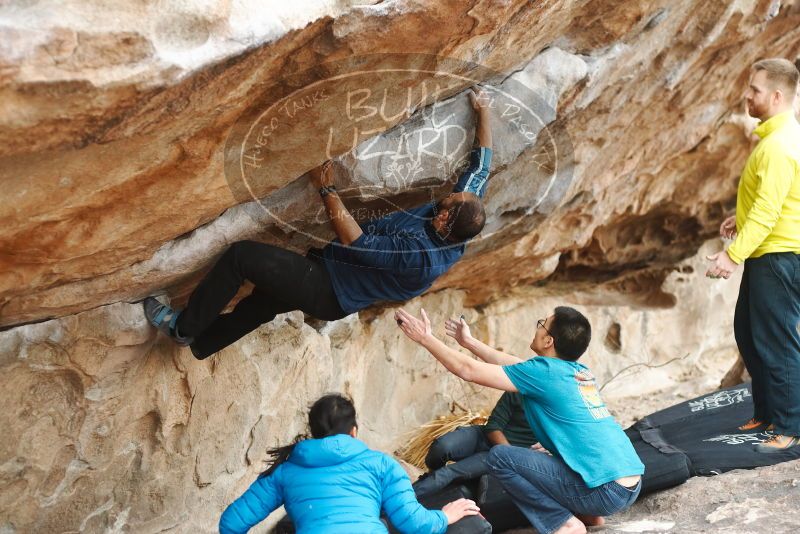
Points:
(330, 415)
(467, 218)
(571, 333)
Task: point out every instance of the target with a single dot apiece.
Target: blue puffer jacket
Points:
(335, 485)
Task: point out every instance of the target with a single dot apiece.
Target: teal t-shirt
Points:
(565, 411)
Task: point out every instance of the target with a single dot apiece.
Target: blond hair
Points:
(781, 72)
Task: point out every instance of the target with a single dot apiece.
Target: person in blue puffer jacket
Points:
(333, 483)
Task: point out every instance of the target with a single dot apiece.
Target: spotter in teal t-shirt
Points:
(567, 414)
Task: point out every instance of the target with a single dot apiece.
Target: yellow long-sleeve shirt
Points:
(768, 200)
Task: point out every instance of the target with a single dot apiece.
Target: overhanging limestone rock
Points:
(122, 168)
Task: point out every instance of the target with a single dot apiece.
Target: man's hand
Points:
(728, 228)
(458, 330)
(416, 329)
(458, 509)
(722, 267)
(479, 99)
(461, 365)
(322, 176)
(538, 447)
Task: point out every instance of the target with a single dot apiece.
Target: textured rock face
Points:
(110, 159)
(618, 135)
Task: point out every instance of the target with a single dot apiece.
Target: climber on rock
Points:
(393, 258)
(584, 466)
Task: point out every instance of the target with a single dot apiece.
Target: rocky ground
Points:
(741, 502)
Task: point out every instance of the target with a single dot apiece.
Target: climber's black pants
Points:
(284, 281)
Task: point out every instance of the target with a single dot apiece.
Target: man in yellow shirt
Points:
(766, 228)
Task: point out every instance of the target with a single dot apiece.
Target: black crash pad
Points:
(497, 507)
(705, 431)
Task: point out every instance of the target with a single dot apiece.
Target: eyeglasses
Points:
(540, 323)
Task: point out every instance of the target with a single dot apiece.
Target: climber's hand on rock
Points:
(416, 329)
(479, 99)
(322, 176)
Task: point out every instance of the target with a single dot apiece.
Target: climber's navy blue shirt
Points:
(399, 256)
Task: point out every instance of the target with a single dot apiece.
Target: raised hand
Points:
(458, 330)
(322, 175)
(479, 99)
(728, 227)
(416, 329)
(461, 508)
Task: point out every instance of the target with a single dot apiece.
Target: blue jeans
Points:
(766, 326)
(467, 447)
(548, 492)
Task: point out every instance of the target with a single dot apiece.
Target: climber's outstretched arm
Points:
(476, 176)
(346, 228)
(483, 127)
